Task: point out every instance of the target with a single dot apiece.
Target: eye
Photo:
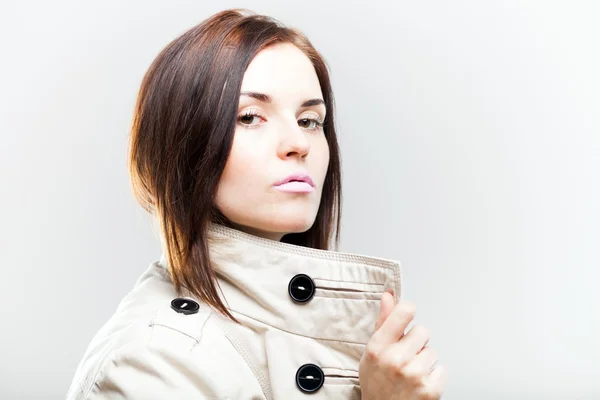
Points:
(310, 123)
(250, 118)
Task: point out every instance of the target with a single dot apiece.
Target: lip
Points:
(299, 182)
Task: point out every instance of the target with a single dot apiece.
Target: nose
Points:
(294, 142)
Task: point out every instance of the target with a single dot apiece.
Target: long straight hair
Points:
(182, 133)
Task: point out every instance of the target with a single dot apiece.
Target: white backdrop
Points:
(470, 133)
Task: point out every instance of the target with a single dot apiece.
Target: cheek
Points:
(322, 148)
(238, 176)
(231, 174)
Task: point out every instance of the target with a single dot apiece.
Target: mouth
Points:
(296, 183)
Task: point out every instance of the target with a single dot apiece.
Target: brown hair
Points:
(182, 132)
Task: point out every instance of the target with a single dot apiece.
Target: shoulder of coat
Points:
(179, 322)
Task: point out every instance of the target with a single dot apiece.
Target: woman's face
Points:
(278, 136)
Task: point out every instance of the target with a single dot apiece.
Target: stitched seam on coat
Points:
(342, 298)
(398, 283)
(343, 382)
(338, 281)
(176, 330)
(263, 381)
(338, 369)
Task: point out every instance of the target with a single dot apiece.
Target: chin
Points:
(290, 221)
(266, 222)
(294, 226)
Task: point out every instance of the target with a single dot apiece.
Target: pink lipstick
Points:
(296, 183)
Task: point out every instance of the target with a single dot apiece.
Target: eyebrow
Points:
(265, 98)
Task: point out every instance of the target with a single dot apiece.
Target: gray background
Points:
(470, 133)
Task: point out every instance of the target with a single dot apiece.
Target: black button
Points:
(185, 306)
(309, 378)
(301, 288)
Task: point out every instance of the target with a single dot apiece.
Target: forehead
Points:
(284, 72)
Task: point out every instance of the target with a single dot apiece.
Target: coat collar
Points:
(255, 274)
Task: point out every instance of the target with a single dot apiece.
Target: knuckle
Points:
(432, 353)
(397, 368)
(428, 353)
(441, 373)
(430, 394)
(413, 376)
(422, 331)
(372, 354)
(397, 371)
(407, 307)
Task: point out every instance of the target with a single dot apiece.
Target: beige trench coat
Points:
(306, 316)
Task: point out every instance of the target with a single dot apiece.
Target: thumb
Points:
(386, 307)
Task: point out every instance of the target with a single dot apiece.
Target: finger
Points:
(395, 324)
(422, 364)
(386, 307)
(404, 350)
(436, 382)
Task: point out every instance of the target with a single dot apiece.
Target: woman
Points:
(234, 151)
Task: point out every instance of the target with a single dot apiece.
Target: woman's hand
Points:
(398, 366)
